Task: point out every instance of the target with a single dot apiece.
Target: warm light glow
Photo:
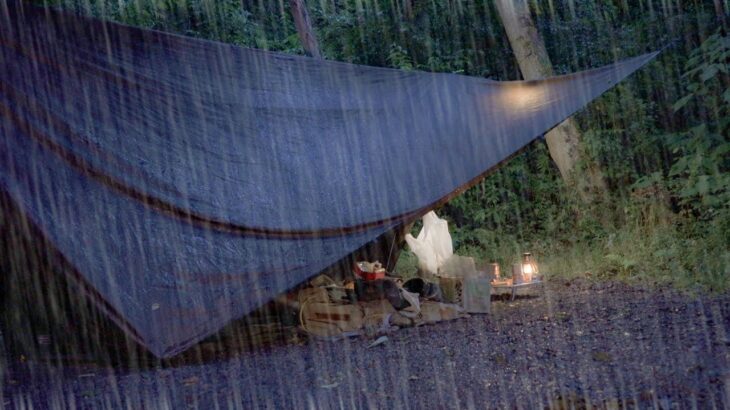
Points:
(525, 96)
(527, 269)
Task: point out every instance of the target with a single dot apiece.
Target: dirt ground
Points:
(569, 345)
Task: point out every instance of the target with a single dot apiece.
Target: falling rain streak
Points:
(193, 202)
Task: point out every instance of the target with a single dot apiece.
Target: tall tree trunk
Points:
(408, 9)
(565, 139)
(304, 28)
(719, 10)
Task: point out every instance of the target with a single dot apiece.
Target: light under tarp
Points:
(187, 182)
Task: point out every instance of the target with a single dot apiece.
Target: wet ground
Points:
(570, 345)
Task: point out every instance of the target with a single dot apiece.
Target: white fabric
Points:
(433, 245)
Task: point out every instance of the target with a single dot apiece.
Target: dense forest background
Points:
(660, 138)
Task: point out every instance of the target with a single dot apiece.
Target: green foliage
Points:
(701, 174)
(398, 58)
(692, 247)
(222, 20)
(678, 251)
(667, 218)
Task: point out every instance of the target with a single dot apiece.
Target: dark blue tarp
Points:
(188, 182)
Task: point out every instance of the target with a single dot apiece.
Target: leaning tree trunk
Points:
(304, 28)
(565, 139)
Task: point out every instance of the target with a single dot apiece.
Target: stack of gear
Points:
(460, 282)
(424, 289)
(330, 310)
(369, 270)
(324, 312)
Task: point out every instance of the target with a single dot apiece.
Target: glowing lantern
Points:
(526, 271)
(529, 267)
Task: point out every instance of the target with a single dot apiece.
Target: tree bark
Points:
(304, 28)
(720, 11)
(408, 9)
(564, 140)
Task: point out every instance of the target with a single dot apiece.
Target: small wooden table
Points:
(512, 288)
